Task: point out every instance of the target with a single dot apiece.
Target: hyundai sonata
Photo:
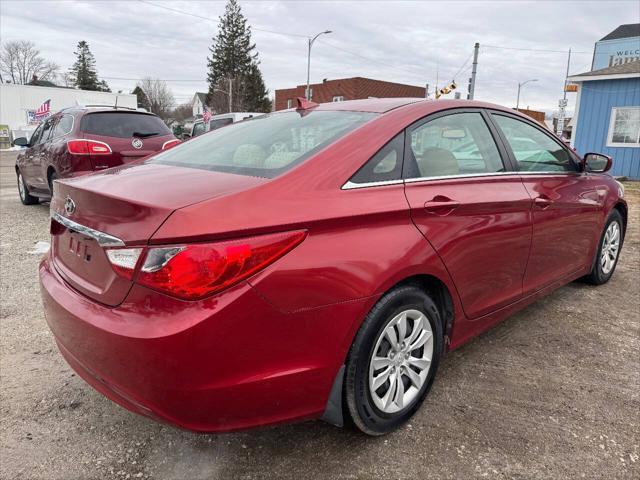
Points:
(318, 262)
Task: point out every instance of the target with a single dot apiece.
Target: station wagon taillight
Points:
(88, 147)
(194, 271)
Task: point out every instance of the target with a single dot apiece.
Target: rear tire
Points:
(52, 177)
(382, 396)
(608, 250)
(23, 191)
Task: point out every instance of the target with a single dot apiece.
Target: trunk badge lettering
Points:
(69, 205)
(137, 143)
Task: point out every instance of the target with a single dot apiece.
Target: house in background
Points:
(607, 116)
(355, 88)
(198, 103)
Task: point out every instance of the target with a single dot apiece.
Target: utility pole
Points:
(474, 70)
(426, 91)
(563, 103)
(230, 94)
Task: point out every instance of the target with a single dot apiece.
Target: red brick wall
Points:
(350, 88)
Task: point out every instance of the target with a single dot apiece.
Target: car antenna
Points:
(304, 105)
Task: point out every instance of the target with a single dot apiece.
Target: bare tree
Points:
(182, 112)
(20, 61)
(159, 96)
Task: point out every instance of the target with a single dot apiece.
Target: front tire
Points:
(393, 360)
(25, 197)
(608, 250)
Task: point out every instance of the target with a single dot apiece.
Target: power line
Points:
(463, 65)
(529, 49)
(395, 67)
(215, 20)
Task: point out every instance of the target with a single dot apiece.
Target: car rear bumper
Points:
(225, 363)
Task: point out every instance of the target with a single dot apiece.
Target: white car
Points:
(198, 127)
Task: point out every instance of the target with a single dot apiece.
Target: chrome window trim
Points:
(351, 186)
(103, 239)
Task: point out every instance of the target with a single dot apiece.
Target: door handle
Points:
(441, 205)
(542, 202)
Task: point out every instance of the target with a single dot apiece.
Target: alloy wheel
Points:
(400, 362)
(610, 247)
(21, 188)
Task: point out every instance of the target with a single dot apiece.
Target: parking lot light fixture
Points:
(520, 85)
(311, 40)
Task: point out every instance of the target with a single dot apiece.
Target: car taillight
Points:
(124, 260)
(88, 147)
(170, 143)
(194, 271)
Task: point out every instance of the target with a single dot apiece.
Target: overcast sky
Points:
(407, 42)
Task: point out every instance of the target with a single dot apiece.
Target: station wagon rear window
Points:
(264, 146)
(123, 124)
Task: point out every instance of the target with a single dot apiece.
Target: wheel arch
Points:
(624, 212)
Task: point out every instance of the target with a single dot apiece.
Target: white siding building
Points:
(16, 101)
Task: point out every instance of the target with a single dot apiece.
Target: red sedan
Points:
(318, 262)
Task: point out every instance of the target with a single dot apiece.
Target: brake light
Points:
(88, 147)
(170, 143)
(198, 270)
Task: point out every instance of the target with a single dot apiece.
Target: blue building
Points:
(607, 116)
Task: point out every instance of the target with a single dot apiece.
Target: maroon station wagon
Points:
(80, 140)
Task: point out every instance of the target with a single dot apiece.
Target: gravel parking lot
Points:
(553, 392)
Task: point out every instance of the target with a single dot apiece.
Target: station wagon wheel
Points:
(393, 360)
(23, 191)
(608, 250)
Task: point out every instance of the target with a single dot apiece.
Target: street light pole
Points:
(520, 85)
(310, 44)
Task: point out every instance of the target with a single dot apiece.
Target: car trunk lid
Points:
(122, 207)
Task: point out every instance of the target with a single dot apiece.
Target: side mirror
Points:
(597, 162)
(21, 142)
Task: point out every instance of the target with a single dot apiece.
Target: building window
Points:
(624, 127)
(338, 98)
(289, 103)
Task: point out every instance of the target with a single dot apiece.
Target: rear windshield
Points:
(123, 125)
(264, 146)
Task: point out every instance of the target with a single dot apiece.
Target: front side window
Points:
(624, 127)
(456, 144)
(46, 130)
(198, 129)
(534, 150)
(35, 136)
(264, 146)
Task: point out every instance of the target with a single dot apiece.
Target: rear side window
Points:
(456, 144)
(264, 146)
(534, 150)
(63, 126)
(385, 165)
(123, 125)
(220, 122)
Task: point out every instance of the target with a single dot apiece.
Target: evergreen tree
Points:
(256, 97)
(234, 59)
(83, 72)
